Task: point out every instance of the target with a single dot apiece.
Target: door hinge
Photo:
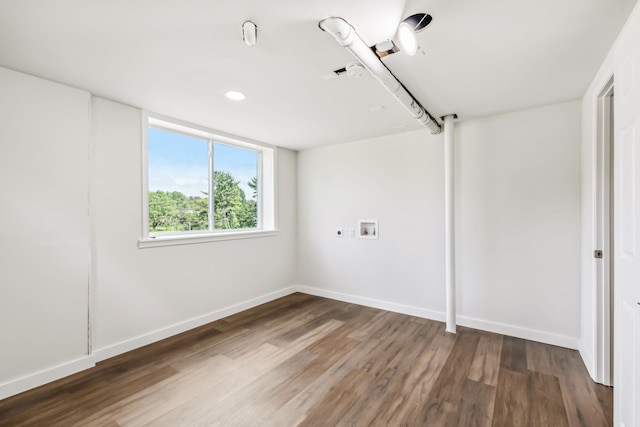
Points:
(597, 253)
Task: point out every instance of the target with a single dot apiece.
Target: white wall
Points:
(517, 219)
(518, 223)
(397, 180)
(44, 230)
(141, 295)
(70, 170)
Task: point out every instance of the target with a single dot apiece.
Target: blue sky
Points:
(179, 163)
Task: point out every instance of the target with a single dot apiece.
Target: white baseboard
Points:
(489, 326)
(160, 334)
(37, 379)
(374, 303)
(588, 362)
(519, 332)
(45, 376)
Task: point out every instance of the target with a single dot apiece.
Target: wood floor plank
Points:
(148, 404)
(372, 356)
(372, 329)
(377, 354)
(586, 403)
(486, 361)
(301, 380)
(240, 408)
(511, 407)
(605, 398)
(267, 357)
(455, 372)
(514, 355)
(366, 410)
(297, 408)
(278, 331)
(416, 388)
(77, 403)
(433, 413)
(539, 359)
(578, 390)
(339, 400)
(328, 342)
(546, 407)
(298, 330)
(399, 372)
(306, 360)
(128, 368)
(262, 313)
(475, 408)
(261, 360)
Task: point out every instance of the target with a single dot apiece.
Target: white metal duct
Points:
(346, 35)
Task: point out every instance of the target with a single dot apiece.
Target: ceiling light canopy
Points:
(355, 70)
(234, 95)
(406, 36)
(250, 33)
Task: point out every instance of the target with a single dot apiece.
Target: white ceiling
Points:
(179, 57)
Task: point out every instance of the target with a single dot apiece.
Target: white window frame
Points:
(267, 224)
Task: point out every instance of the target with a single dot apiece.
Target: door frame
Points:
(603, 233)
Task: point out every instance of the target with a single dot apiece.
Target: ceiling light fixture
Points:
(407, 32)
(249, 33)
(234, 95)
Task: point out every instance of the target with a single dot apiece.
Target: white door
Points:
(627, 227)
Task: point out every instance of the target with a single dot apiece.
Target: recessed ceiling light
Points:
(407, 32)
(407, 39)
(234, 95)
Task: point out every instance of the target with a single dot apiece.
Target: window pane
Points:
(235, 187)
(178, 182)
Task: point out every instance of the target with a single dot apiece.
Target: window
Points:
(201, 185)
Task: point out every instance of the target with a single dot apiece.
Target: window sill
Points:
(203, 238)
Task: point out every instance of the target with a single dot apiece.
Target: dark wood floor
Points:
(304, 360)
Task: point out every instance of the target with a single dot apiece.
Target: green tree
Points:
(179, 199)
(173, 211)
(248, 217)
(199, 213)
(162, 209)
(228, 201)
(253, 184)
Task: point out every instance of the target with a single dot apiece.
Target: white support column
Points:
(449, 225)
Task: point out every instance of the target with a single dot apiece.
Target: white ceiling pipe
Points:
(346, 35)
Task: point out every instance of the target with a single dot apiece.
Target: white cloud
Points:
(193, 181)
(188, 181)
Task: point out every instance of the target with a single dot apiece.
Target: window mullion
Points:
(211, 188)
(259, 205)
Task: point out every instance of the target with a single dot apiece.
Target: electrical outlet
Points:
(352, 232)
(339, 232)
